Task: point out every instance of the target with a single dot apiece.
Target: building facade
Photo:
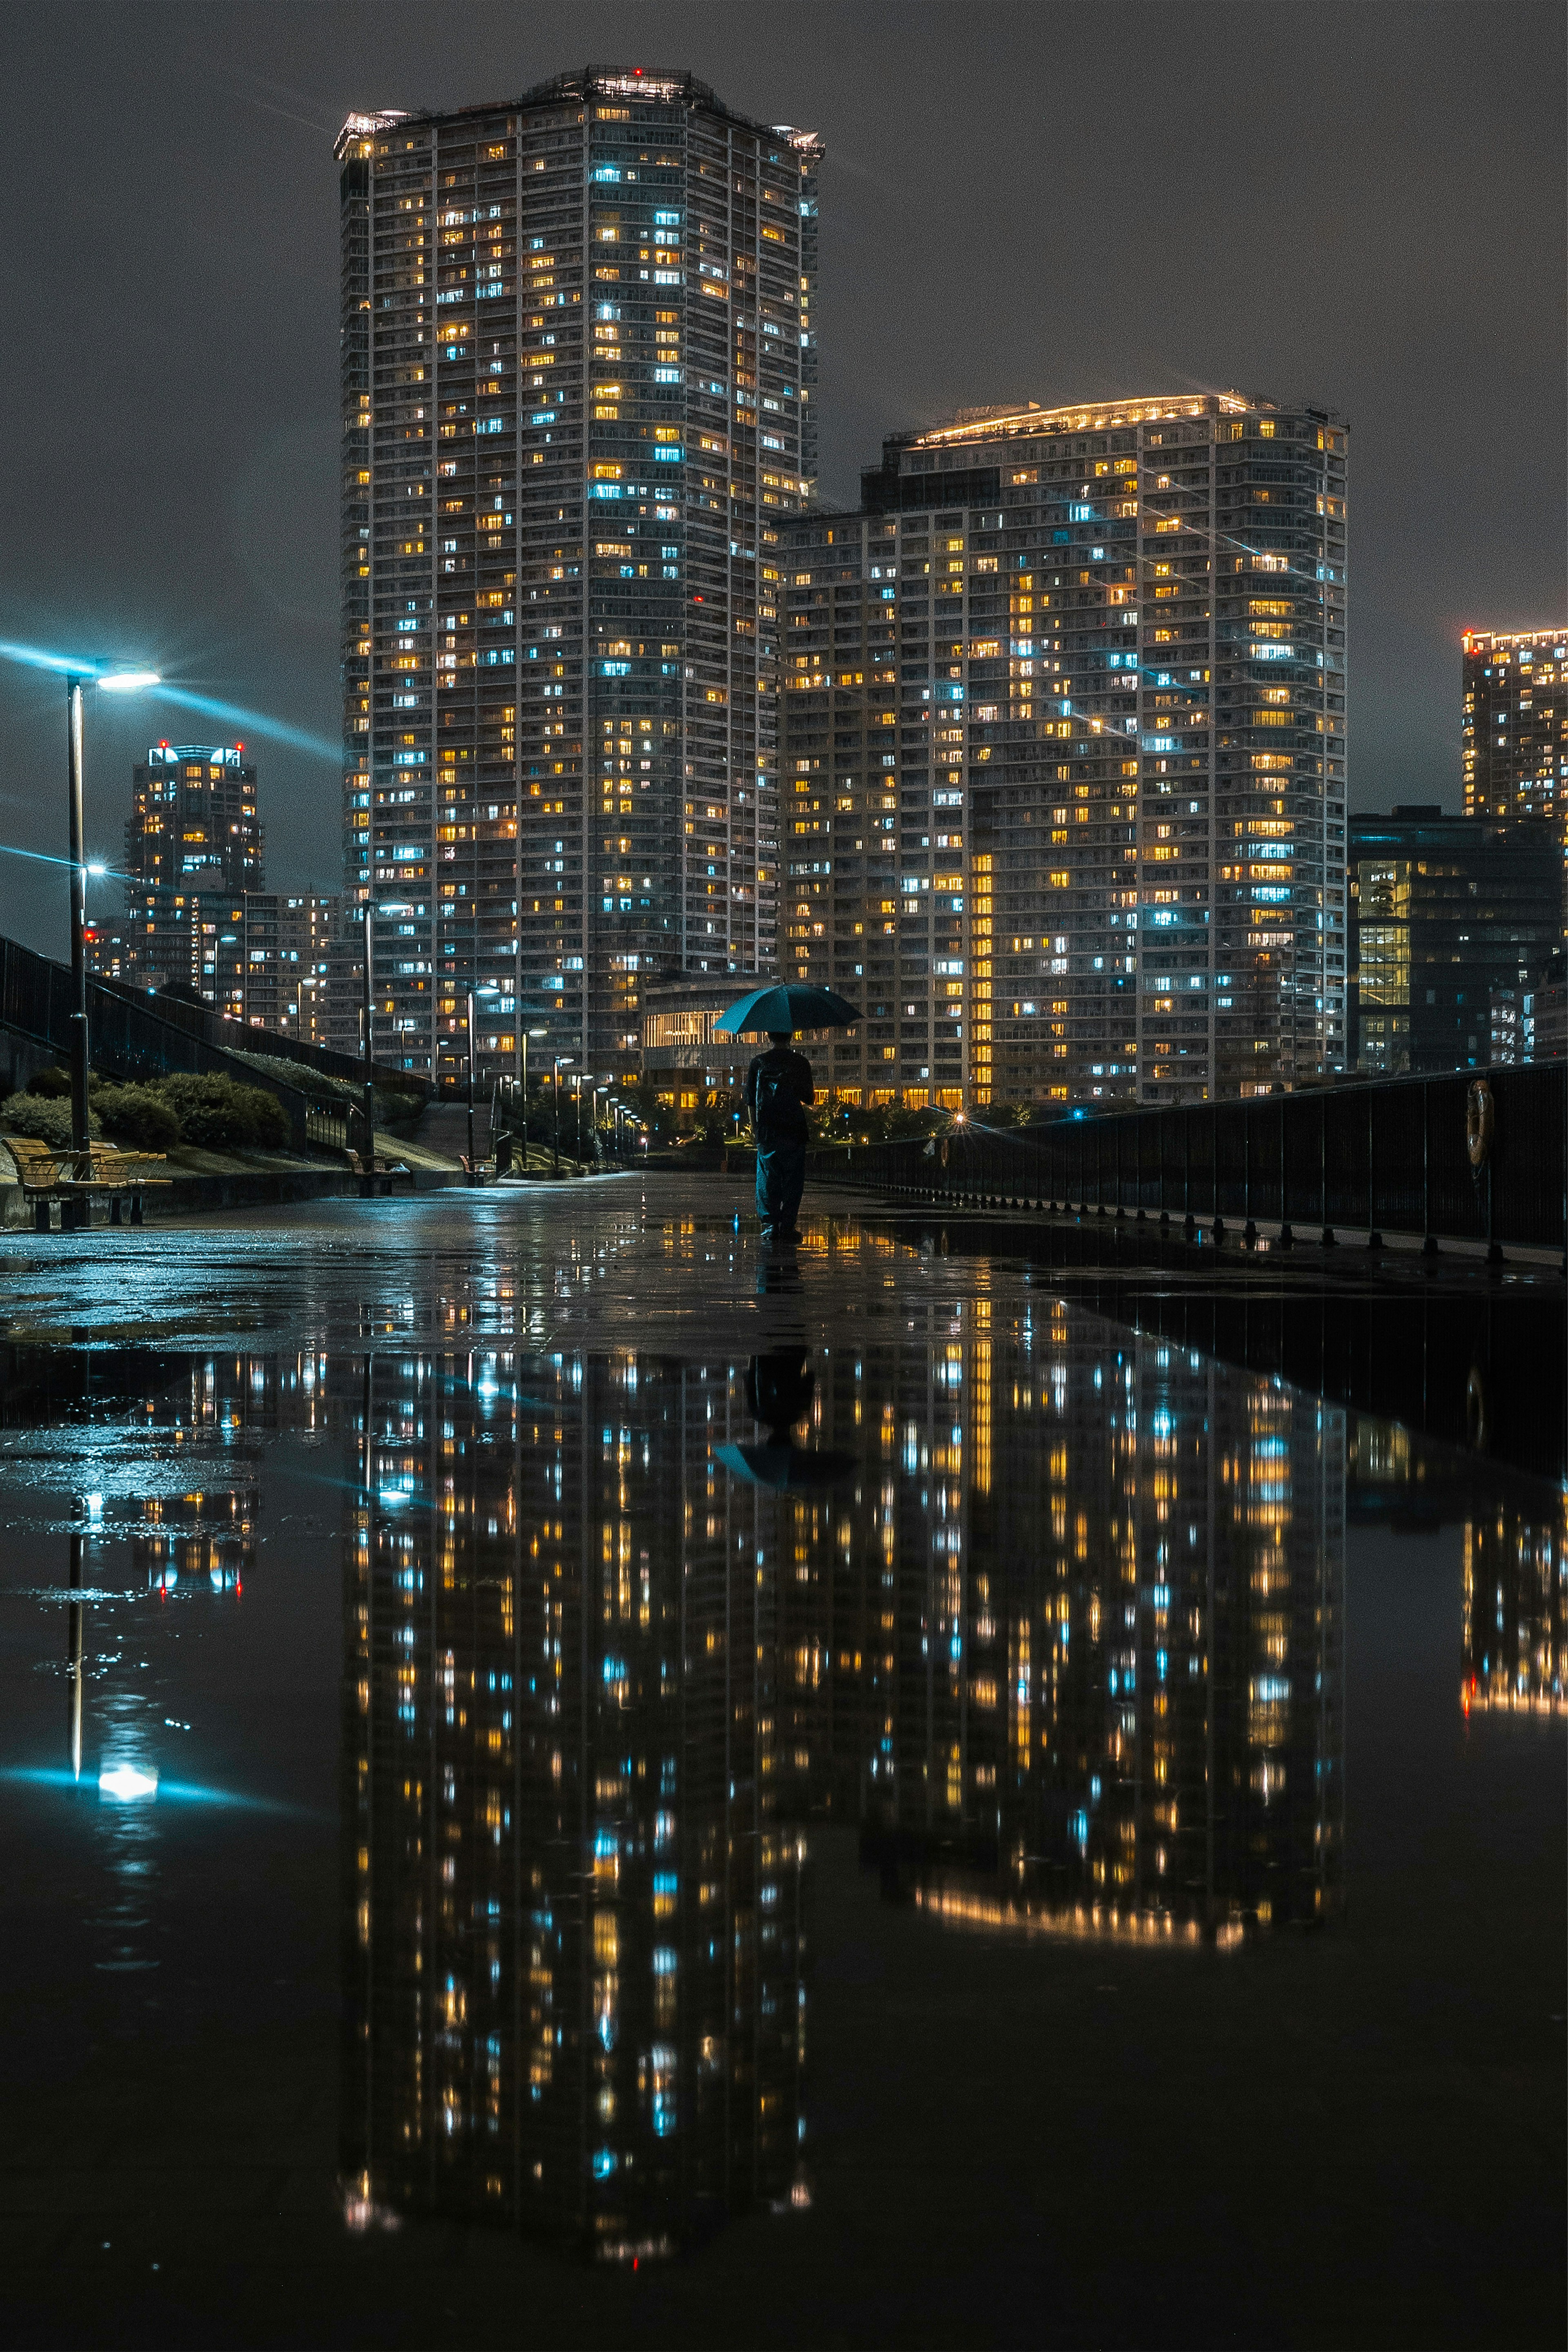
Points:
(198, 915)
(1515, 735)
(193, 842)
(1064, 755)
(1447, 918)
(578, 358)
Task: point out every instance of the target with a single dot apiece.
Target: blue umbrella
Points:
(790, 1005)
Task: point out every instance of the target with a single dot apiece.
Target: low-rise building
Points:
(1446, 911)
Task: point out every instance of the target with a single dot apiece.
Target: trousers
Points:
(780, 1177)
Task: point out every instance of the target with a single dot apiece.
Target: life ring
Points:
(1478, 1412)
(1481, 1123)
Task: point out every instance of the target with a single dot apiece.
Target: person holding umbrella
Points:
(780, 1091)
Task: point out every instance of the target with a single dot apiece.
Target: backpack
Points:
(778, 1100)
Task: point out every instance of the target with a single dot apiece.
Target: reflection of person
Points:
(779, 1389)
(779, 1092)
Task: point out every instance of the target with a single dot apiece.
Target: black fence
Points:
(130, 1041)
(1394, 1155)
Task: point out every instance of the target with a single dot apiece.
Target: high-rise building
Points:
(578, 360)
(1446, 913)
(193, 839)
(1515, 741)
(1065, 754)
(278, 962)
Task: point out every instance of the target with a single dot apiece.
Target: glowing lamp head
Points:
(129, 681)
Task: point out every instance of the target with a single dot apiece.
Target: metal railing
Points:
(226, 1035)
(1392, 1155)
(129, 1041)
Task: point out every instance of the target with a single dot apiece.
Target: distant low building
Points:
(1447, 912)
(682, 1059)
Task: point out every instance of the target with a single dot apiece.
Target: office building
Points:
(578, 358)
(1064, 755)
(1515, 740)
(1446, 912)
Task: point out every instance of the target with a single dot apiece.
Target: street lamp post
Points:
(369, 1052)
(470, 1086)
(75, 1211)
(80, 1065)
(524, 1035)
(369, 911)
(555, 1117)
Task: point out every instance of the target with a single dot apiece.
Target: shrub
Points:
(49, 1086)
(218, 1112)
(298, 1074)
(136, 1114)
(47, 1119)
(394, 1110)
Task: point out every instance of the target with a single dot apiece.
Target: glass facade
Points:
(1064, 755)
(578, 363)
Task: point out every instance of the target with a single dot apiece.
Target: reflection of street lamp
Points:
(125, 681)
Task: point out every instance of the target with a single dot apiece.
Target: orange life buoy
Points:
(1481, 1123)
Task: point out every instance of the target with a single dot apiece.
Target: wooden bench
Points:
(390, 1169)
(49, 1173)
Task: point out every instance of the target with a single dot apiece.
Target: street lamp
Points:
(523, 1036)
(562, 1060)
(369, 912)
(487, 988)
(123, 681)
(470, 1086)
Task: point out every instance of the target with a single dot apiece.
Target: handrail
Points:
(1386, 1155)
(130, 1041)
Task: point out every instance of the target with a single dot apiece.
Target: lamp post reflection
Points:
(74, 1641)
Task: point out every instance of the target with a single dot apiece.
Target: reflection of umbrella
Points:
(785, 1466)
(790, 1005)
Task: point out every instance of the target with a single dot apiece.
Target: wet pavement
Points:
(566, 1779)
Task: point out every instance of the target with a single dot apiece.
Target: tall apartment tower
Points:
(193, 839)
(1064, 755)
(1515, 741)
(578, 358)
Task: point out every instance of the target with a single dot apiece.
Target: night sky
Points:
(1361, 206)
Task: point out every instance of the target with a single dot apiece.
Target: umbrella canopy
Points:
(790, 1005)
(798, 1467)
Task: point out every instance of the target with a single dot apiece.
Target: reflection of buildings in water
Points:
(1516, 1589)
(1514, 1635)
(576, 1997)
(207, 1537)
(1086, 1622)
(1057, 1621)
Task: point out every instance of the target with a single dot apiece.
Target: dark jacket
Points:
(779, 1090)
